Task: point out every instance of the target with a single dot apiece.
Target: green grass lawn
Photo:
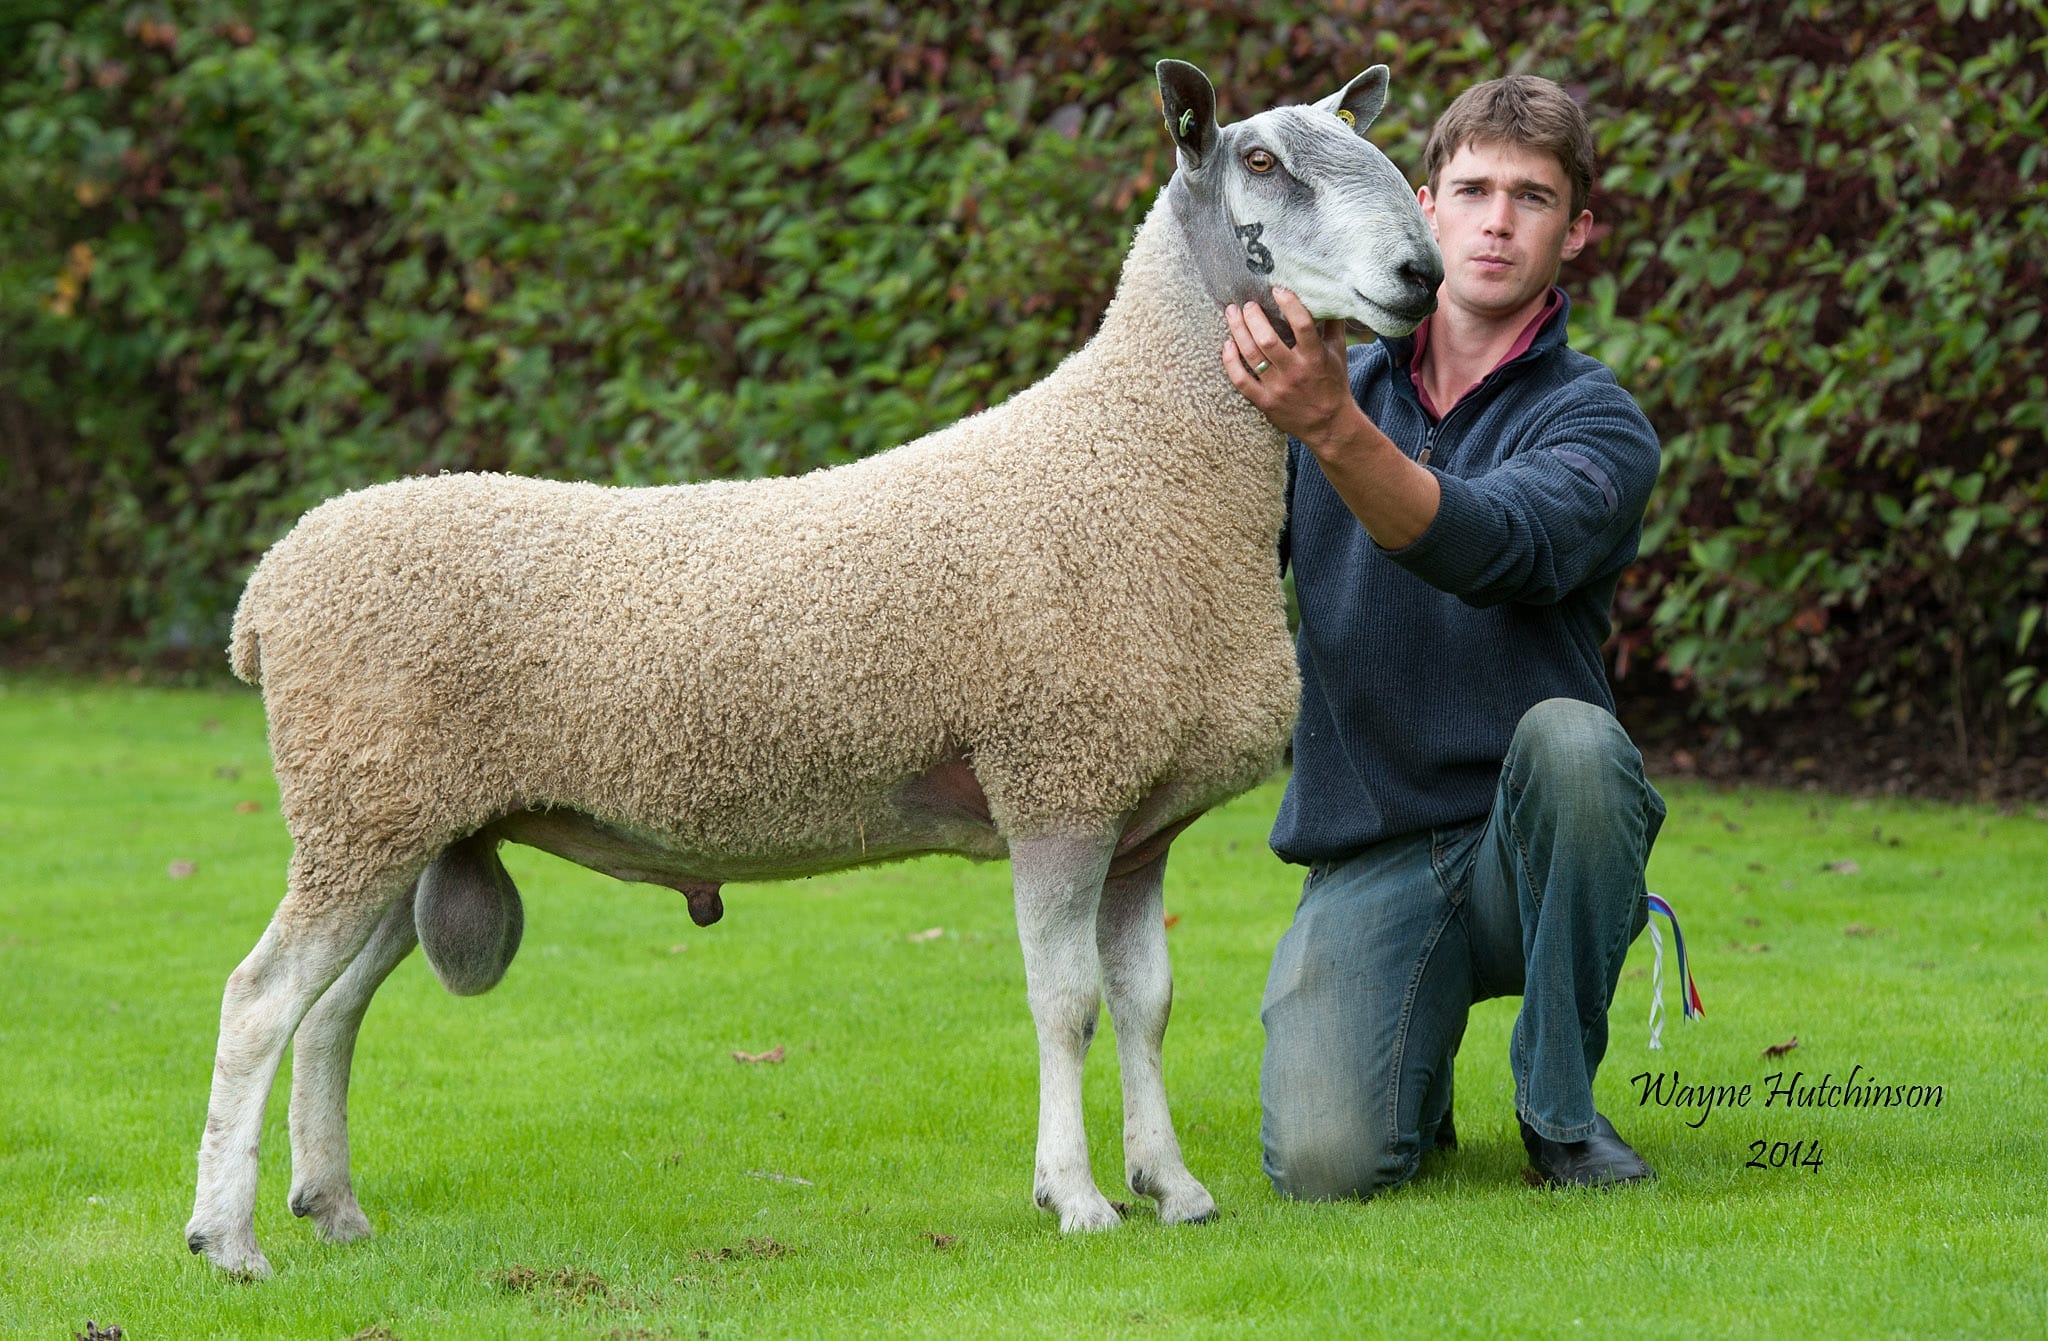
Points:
(578, 1153)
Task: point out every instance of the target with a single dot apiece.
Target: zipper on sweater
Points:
(1429, 437)
(1429, 440)
(1436, 428)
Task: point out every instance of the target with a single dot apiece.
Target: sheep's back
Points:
(573, 611)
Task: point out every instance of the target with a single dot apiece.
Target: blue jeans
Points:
(1371, 986)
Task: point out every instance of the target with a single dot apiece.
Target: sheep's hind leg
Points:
(1130, 934)
(1058, 887)
(322, 1051)
(308, 943)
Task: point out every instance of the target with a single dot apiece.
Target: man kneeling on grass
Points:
(1461, 503)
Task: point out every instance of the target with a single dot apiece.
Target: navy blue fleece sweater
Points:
(1417, 663)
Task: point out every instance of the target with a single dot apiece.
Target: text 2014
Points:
(1780, 1155)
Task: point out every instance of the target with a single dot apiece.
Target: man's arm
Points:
(1305, 392)
(1566, 507)
(1532, 530)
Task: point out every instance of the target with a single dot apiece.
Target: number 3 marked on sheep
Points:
(1256, 258)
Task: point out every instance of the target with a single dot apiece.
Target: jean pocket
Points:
(1451, 854)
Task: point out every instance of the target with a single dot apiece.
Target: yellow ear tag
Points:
(1187, 119)
(1344, 115)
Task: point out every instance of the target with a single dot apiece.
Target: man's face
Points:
(1504, 225)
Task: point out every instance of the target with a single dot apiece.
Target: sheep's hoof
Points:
(236, 1254)
(1189, 1205)
(335, 1219)
(1088, 1211)
(1180, 1199)
(1090, 1219)
(348, 1225)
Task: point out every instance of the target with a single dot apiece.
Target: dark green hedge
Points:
(252, 254)
(1826, 282)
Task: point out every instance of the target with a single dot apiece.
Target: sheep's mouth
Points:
(1399, 320)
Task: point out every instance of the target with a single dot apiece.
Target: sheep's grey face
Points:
(1297, 198)
(1341, 227)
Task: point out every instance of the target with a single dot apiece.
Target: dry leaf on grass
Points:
(928, 934)
(1780, 1049)
(568, 1283)
(772, 1056)
(1172, 921)
(246, 807)
(941, 1242)
(179, 870)
(1846, 866)
(763, 1247)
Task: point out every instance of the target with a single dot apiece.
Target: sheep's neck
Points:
(1216, 254)
(1159, 351)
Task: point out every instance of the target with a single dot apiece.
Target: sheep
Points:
(1054, 631)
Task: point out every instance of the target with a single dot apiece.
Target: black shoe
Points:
(1601, 1160)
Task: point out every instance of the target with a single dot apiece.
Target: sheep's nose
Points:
(1423, 275)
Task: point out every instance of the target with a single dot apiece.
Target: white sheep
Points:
(1053, 631)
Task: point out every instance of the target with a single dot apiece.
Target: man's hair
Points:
(1523, 111)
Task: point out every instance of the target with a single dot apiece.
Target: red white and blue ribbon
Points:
(1688, 991)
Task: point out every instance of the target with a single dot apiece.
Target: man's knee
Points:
(1324, 1126)
(1331, 1164)
(1573, 761)
(1563, 739)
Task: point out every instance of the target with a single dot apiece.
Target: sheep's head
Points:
(1297, 197)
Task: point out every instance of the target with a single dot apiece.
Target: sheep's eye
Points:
(1261, 162)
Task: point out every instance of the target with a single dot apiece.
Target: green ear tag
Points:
(1187, 119)
(1344, 115)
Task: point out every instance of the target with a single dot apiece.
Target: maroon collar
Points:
(1515, 351)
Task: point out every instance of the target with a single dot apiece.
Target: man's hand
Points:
(1304, 391)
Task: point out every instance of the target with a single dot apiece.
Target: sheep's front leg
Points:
(322, 1052)
(1131, 936)
(1058, 882)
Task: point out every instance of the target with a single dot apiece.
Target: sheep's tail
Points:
(243, 657)
(468, 915)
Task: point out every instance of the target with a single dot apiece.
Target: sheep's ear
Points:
(1359, 101)
(1190, 104)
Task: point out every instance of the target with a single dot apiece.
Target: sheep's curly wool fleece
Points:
(1076, 591)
